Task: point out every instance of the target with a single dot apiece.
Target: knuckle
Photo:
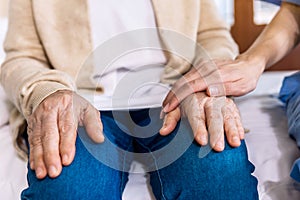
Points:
(51, 156)
(49, 135)
(67, 99)
(34, 141)
(252, 84)
(193, 85)
(66, 127)
(228, 117)
(67, 146)
(214, 115)
(48, 106)
(243, 90)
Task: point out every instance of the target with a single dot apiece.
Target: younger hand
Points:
(218, 78)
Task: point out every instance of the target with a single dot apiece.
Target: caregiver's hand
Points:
(208, 115)
(52, 131)
(227, 77)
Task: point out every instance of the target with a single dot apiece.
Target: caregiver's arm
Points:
(241, 75)
(214, 43)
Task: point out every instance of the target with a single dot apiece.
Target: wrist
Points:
(254, 61)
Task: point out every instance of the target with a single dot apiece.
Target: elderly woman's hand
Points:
(208, 115)
(52, 131)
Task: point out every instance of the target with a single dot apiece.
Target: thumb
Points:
(170, 122)
(216, 90)
(93, 125)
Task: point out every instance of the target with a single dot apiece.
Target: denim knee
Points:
(217, 176)
(85, 178)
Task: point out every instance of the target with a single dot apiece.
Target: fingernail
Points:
(219, 144)
(203, 139)
(39, 172)
(213, 91)
(102, 138)
(52, 170)
(65, 158)
(235, 138)
(162, 114)
(32, 165)
(166, 108)
(163, 126)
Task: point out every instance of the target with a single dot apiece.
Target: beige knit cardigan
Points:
(48, 41)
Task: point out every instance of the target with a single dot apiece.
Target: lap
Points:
(179, 168)
(85, 178)
(197, 172)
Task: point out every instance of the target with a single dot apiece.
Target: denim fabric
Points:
(277, 2)
(290, 95)
(292, 1)
(216, 176)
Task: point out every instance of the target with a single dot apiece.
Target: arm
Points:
(214, 43)
(26, 74)
(204, 113)
(280, 36)
(43, 95)
(240, 76)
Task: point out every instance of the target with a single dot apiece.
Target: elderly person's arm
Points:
(44, 96)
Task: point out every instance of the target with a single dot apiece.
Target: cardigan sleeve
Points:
(26, 74)
(214, 34)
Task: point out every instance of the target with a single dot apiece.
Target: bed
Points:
(271, 150)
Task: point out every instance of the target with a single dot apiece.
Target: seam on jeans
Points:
(123, 171)
(156, 167)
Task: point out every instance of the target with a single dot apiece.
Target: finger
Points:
(237, 88)
(68, 132)
(238, 121)
(36, 150)
(191, 75)
(215, 123)
(30, 133)
(198, 125)
(37, 153)
(170, 122)
(216, 90)
(197, 79)
(230, 127)
(50, 142)
(223, 62)
(240, 128)
(93, 125)
(178, 95)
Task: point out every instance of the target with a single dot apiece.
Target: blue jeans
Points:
(216, 176)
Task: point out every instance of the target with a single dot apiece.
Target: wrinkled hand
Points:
(208, 115)
(219, 78)
(52, 131)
